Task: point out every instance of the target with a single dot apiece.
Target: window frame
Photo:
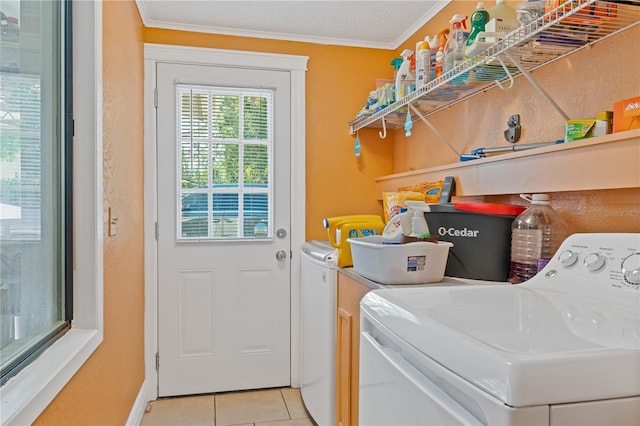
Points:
(25, 396)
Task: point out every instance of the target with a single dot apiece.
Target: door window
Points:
(225, 150)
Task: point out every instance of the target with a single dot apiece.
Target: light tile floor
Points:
(267, 407)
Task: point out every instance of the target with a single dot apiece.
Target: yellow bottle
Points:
(423, 63)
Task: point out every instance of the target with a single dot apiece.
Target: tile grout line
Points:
(285, 403)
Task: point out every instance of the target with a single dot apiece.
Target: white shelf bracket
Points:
(508, 75)
(383, 133)
(536, 86)
(433, 129)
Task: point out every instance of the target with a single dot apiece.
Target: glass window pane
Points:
(194, 215)
(194, 164)
(225, 215)
(256, 164)
(256, 215)
(225, 116)
(33, 249)
(256, 118)
(229, 164)
(226, 160)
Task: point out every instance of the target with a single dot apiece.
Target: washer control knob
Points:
(594, 261)
(568, 258)
(631, 268)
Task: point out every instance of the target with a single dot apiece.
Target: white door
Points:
(223, 224)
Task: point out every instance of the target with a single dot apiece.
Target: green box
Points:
(578, 129)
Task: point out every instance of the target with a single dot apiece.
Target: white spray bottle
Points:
(404, 78)
(419, 227)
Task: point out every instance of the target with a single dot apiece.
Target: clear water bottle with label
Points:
(535, 237)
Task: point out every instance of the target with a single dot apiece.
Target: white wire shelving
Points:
(572, 26)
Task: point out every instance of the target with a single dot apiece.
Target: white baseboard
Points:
(137, 411)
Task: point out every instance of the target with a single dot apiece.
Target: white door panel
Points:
(223, 305)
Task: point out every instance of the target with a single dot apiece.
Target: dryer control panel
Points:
(593, 262)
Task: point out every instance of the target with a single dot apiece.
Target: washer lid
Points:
(524, 346)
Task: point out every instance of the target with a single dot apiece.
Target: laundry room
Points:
(320, 212)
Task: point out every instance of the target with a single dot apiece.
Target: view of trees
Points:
(218, 116)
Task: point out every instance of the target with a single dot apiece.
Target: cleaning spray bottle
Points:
(443, 36)
(395, 63)
(479, 19)
(404, 78)
(453, 51)
(423, 63)
(419, 227)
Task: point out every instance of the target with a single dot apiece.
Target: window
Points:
(35, 179)
(224, 142)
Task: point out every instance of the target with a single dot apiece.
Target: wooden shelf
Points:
(606, 162)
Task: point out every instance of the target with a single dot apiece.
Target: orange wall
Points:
(338, 82)
(103, 391)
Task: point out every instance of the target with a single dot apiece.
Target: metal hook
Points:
(383, 133)
(508, 74)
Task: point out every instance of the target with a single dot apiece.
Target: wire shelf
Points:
(572, 26)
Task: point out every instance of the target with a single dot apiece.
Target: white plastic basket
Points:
(411, 263)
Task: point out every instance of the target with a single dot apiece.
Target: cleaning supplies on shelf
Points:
(502, 18)
(405, 82)
(479, 19)
(442, 36)
(453, 51)
(423, 63)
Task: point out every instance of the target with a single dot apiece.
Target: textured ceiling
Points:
(378, 24)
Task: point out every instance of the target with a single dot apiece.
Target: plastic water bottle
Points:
(535, 237)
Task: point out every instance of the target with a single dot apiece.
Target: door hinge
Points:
(157, 361)
(157, 230)
(155, 97)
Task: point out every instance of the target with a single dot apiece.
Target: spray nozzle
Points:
(459, 20)
(406, 53)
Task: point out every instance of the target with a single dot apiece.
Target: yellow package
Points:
(393, 202)
(430, 190)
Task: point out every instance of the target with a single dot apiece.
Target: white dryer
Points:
(562, 348)
(319, 288)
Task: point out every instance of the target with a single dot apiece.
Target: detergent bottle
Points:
(443, 36)
(479, 19)
(340, 228)
(423, 63)
(502, 18)
(453, 51)
(404, 79)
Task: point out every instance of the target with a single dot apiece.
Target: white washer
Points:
(562, 348)
(319, 293)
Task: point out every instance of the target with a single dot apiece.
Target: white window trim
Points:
(297, 66)
(25, 396)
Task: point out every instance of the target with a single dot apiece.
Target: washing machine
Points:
(318, 365)
(560, 349)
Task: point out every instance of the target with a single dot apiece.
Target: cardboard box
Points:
(578, 129)
(594, 14)
(626, 114)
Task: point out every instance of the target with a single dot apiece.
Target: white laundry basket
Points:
(411, 263)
